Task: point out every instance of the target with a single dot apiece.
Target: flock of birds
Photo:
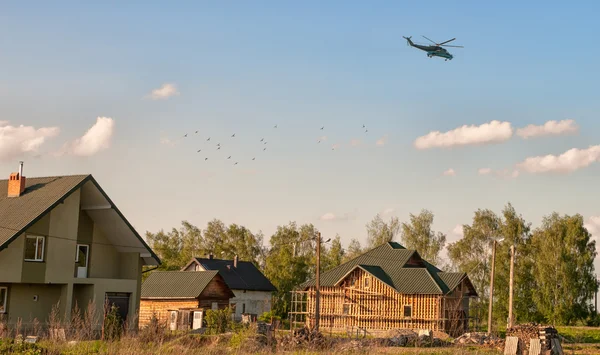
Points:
(262, 141)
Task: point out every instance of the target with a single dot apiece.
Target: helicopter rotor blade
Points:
(450, 40)
(445, 45)
(429, 40)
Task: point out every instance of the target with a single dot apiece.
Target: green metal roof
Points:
(388, 263)
(177, 284)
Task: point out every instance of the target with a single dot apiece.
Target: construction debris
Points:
(304, 337)
(481, 339)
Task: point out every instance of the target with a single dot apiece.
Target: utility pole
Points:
(491, 289)
(510, 286)
(318, 282)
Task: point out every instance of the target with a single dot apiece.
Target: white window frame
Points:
(4, 301)
(87, 254)
(37, 238)
(367, 281)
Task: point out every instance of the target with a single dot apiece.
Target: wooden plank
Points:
(511, 346)
(535, 347)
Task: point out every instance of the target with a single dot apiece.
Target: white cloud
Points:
(449, 172)
(167, 141)
(569, 161)
(329, 216)
(458, 230)
(507, 173)
(382, 141)
(97, 138)
(492, 132)
(164, 92)
(388, 210)
(484, 171)
(593, 226)
(550, 128)
(15, 141)
(355, 142)
(335, 146)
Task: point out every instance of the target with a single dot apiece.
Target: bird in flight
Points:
(208, 139)
(264, 149)
(262, 139)
(363, 126)
(253, 158)
(275, 126)
(229, 157)
(199, 150)
(366, 131)
(235, 163)
(233, 135)
(322, 128)
(265, 143)
(205, 159)
(218, 144)
(196, 131)
(185, 135)
(319, 141)
(218, 148)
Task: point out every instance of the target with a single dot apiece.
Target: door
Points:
(197, 322)
(121, 301)
(81, 260)
(215, 306)
(173, 321)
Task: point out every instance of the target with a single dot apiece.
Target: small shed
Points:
(186, 318)
(187, 292)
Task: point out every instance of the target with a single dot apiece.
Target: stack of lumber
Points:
(528, 331)
(480, 339)
(304, 337)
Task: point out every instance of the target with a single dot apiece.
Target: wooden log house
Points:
(388, 287)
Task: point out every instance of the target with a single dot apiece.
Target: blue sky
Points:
(244, 68)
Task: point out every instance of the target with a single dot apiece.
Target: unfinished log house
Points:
(388, 287)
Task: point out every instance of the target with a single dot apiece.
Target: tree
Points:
(515, 231)
(563, 268)
(333, 255)
(354, 250)
(472, 255)
(214, 238)
(380, 232)
(288, 262)
(418, 235)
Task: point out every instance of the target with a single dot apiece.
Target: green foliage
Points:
(218, 321)
(418, 235)
(113, 324)
(290, 262)
(268, 316)
(8, 346)
(563, 268)
(332, 257)
(380, 232)
(354, 249)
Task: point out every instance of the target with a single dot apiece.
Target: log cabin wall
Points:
(363, 301)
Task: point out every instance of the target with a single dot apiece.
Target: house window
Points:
(34, 248)
(367, 282)
(407, 311)
(243, 308)
(3, 297)
(346, 309)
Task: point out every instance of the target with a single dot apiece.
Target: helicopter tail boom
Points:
(410, 43)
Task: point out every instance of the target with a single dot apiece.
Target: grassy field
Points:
(577, 341)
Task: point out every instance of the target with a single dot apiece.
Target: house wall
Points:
(21, 303)
(257, 302)
(377, 307)
(215, 292)
(64, 227)
(456, 310)
(160, 308)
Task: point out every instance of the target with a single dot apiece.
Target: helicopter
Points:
(436, 50)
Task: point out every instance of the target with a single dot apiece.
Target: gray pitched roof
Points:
(245, 276)
(41, 195)
(390, 264)
(176, 284)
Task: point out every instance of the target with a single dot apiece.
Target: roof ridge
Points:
(50, 177)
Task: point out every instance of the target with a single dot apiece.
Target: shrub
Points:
(113, 324)
(267, 317)
(218, 321)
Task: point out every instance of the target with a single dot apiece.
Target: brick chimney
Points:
(16, 183)
(210, 256)
(235, 261)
